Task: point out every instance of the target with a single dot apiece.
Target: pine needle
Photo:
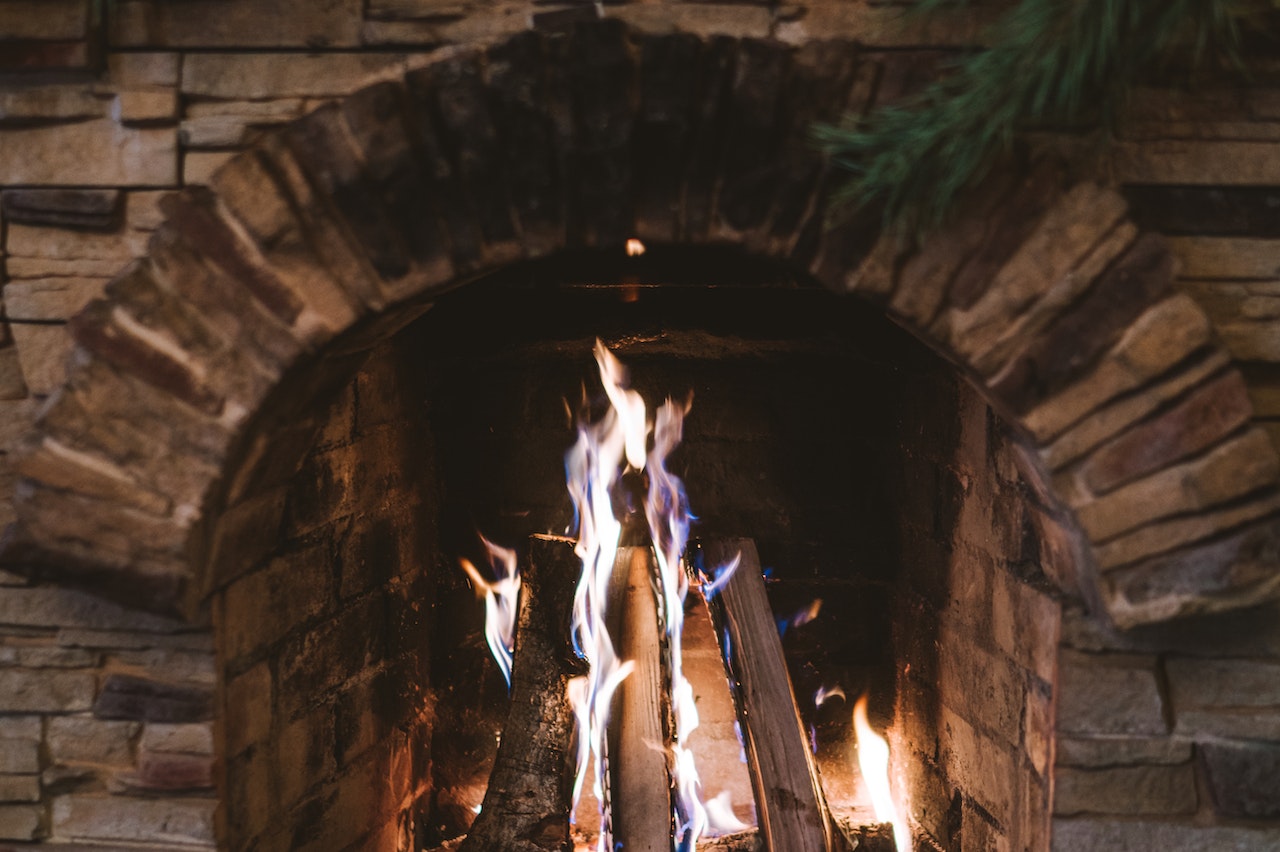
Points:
(1051, 61)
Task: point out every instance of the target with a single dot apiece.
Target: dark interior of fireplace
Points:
(870, 475)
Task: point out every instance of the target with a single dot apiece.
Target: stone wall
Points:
(105, 106)
(323, 644)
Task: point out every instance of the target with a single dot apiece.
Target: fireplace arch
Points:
(332, 232)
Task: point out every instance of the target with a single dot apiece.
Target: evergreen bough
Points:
(1050, 62)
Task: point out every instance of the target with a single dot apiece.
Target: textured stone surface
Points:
(1109, 694)
(19, 788)
(143, 699)
(284, 75)
(1120, 835)
(80, 208)
(162, 738)
(84, 739)
(1233, 469)
(1165, 536)
(20, 822)
(236, 23)
(90, 153)
(44, 691)
(1098, 752)
(1243, 777)
(182, 822)
(1125, 790)
(52, 606)
(19, 756)
(1194, 423)
(1227, 257)
(1225, 697)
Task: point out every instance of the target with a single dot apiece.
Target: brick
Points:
(981, 686)
(1025, 624)
(43, 690)
(1244, 777)
(264, 606)
(1100, 752)
(38, 657)
(1109, 694)
(1234, 468)
(21, 822)
(1128, 835)
(177, 739)
(235, 24)
(199, 167)
(1196, 422)
(1182, 161)
(1163, 335)
(1129, 790)
(249, 700)
(53, 606)
(19, 788)
(43, 351)
(90, 153)
(84, 739)
(48, 20)
(1166, 536)
(1227, 257)
(1225, 697)
(967, 753)
(172, 821)
(146, 700)
(79, 208)
(304, 754)
(284, 75)
(19, 756)
(169, 773)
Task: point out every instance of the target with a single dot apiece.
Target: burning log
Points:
(640, 786)
(526, 806)
(790, 807)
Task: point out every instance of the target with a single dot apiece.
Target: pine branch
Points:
(1061, 61)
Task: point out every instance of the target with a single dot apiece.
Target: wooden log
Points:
(790, 808)
(526, 806)
(640, 786)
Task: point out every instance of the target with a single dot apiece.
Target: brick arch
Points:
(144, 478)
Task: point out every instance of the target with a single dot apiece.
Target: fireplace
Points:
(1016, 467)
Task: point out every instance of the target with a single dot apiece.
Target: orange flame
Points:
(635, 248)
(873, 760)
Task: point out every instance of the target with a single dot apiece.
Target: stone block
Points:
(262, 607)
(1163, 335)
(44, 691)
(44, 20)
(40, 657)
(42, 354)
(147, 700)
(199, 167)
(145, 106)
(1129, 835)
(53, 606)
(1128, 790)
(1100, 752)
(158, 772)
(1231, 698)
(235, 24)
(1025, 624)
(980, 686)
(20, 822)
(249, 699)
(44, 299)
(140, 68)
(19, 756)
(1115, 417)
(1193, 424)
(84, 739)
(89, 153)
(304, 754)
(19, 788)
(260, 76)
(1244, 777)
(967, 753)
(1188, 161)
(1109, 694)
(59, 243)
(13, 386)
(98, 209)
(1231, 258)
(161, 738)
(221, 124)
(49, 104)
(169, 821)
(1037, 738)
(1232, 469)
(697, 18)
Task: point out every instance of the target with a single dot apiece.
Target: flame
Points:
(826, 693)
(873, 760)
(500, 602)
(635, 248)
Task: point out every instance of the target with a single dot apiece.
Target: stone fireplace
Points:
(1014, 461)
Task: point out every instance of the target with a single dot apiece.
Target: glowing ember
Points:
(873, 760)
(635, 248)
(500, 601)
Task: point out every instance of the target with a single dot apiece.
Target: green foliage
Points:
(1050, 62)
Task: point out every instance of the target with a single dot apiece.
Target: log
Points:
(790, 808)
(526, 806)
(640, 786)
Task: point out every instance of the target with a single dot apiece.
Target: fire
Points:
(635, 248)
(500, 601)
(873, 760)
